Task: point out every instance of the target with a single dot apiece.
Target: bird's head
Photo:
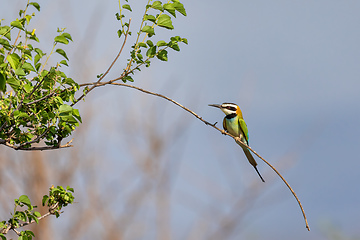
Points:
(228, 108)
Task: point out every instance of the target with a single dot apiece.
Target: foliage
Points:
(58, 197)
(36, 101)
(155, 16)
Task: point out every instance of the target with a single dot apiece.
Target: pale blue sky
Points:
(292, 66)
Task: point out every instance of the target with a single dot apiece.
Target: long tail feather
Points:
(252, 161)
(259, 174)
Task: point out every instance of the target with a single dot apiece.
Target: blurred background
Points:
(142, 168)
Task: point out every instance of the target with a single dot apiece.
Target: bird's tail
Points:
(252, 160)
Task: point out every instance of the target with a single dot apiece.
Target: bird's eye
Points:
(231, 108)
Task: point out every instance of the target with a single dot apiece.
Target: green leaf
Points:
(14, 60)
(170, 8)
(5, 31)
(2, 236)
(68, 118)
(119, 32)
(37, 66)
(18, 114)
(147, 17)
(62, 53)
(142, 45)
(33, 37)
(128, 78)
(175, 39)
(64, 62)
(61, 39)
(5, 43)
(28, 66)
(28, 88)
(174, 46)
(25, 200)
(70, 81)
(65, 108)
(150, 43)
(184, 40)
(157, 5)
(179, 7)
(2, 82)
(44, 200)
(151, 52)
(37, 214)
(17, 24)
(36, 58)
(28, 18)
(162, 55)
(127, 6)
(14, 83)
(30, 233)
(39, 52)
(165, 21)
(21, 216)
(36, 5)
(67, 36)
(20, 72)
(149, 30)
(76, 114)
(161, 43)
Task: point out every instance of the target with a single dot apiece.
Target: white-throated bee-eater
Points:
(235, 125)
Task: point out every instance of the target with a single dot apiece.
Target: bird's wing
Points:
(244, 129)
(224, 124)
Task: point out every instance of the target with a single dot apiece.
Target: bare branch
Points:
(4, 142)
(40, 99)
(237, 139)
(16, 231)
(108, 70)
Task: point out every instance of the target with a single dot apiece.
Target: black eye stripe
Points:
(231, 108)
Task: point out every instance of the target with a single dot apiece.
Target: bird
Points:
(235, 125)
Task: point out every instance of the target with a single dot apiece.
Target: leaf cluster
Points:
(156, 15)
(58, 197)
(34, 102)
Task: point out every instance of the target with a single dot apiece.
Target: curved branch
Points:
(237, 139)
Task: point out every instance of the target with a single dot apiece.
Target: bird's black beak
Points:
(215, 105)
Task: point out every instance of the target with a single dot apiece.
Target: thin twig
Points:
(16, 231)
(108, 70)
(67, 145)
(36, 139)
(33, 221)
(11, 227)
(40, 99)
(38, 84)
(237, 139)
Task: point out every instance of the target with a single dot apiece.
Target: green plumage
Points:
(235, 125)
